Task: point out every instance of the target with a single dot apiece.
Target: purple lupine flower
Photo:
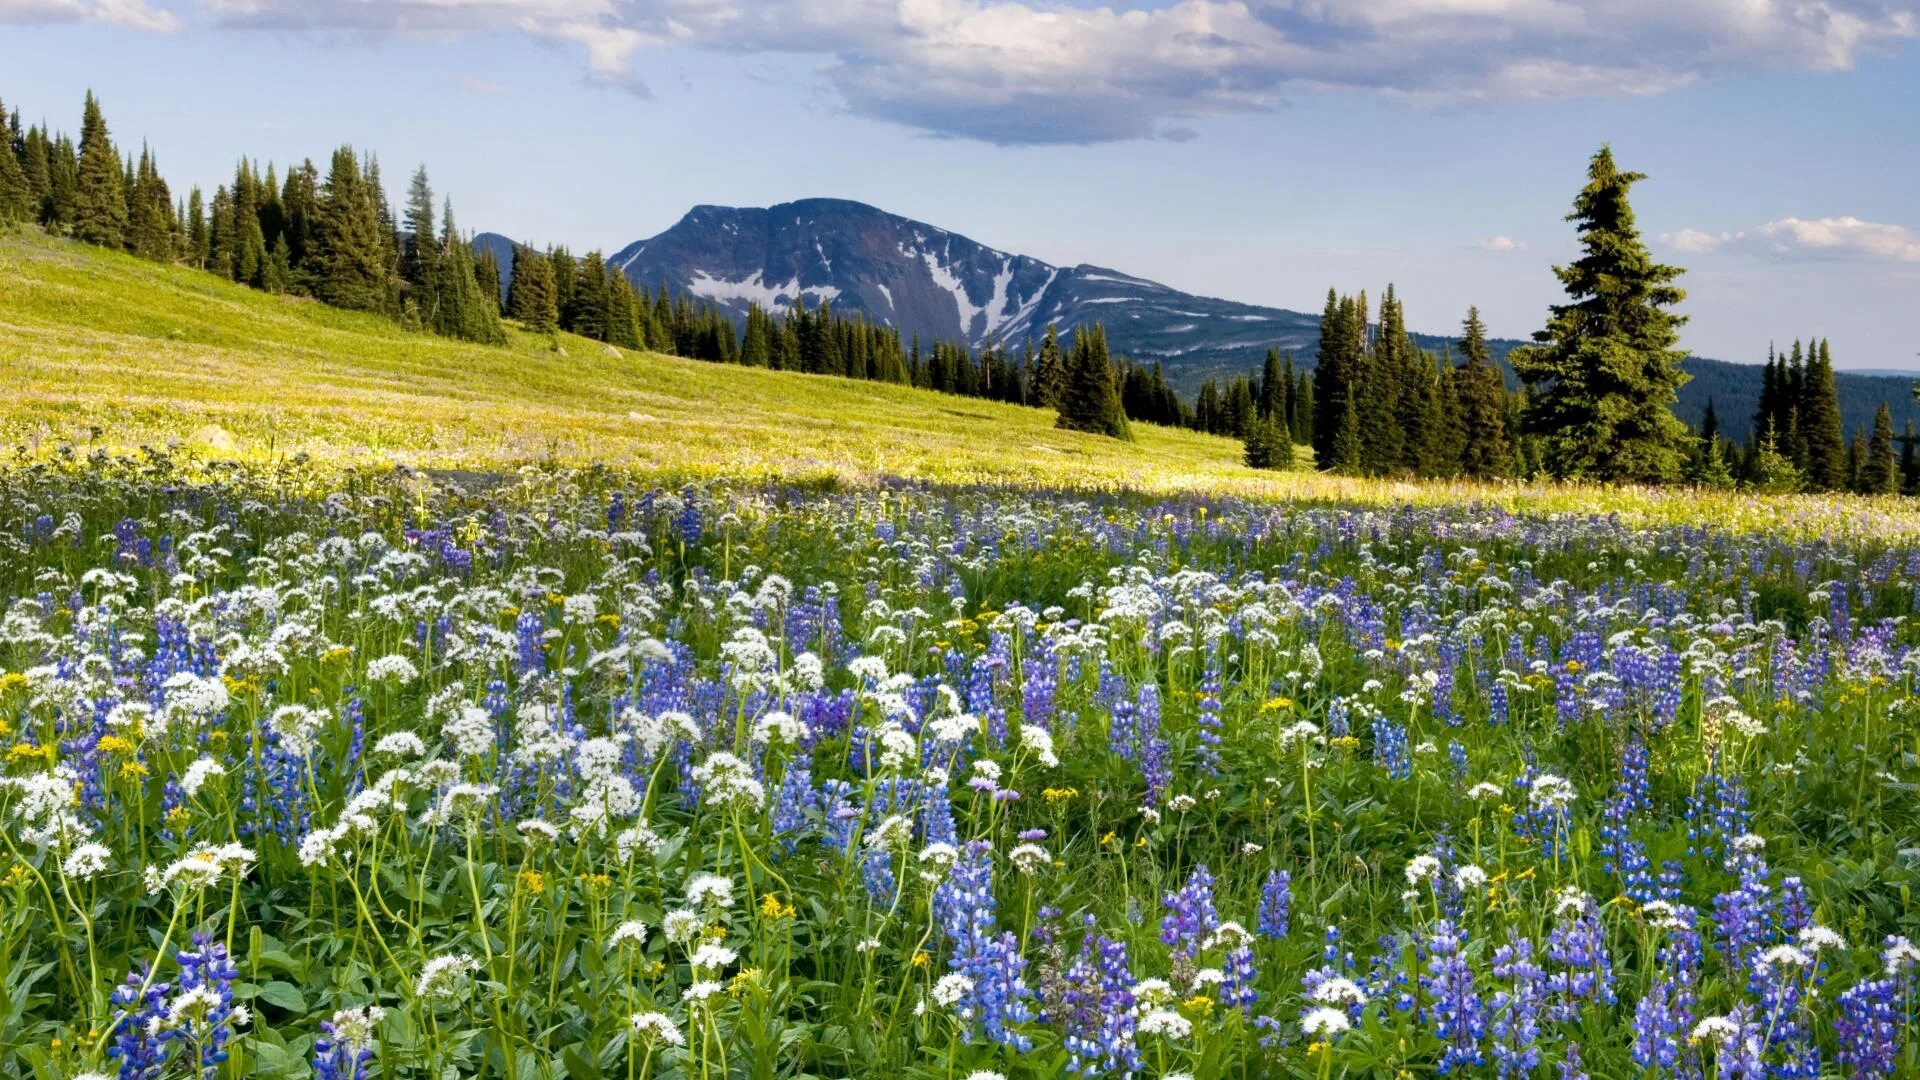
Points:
(1190, 917)
(1458, 1013)
(1868, 1029)
(1516, 1008)
(1098, 1009)
(1276, 905)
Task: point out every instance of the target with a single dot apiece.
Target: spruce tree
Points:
(1273, 387)
(1089, 401)
(1484, 452)
(1909, 459)
(348, 251)
(199, 242)
(99, 214)
(1820, 426)
(420, 249)
(1606, 371)
(1881, 471)
(150, 219)
(586, 313)
(1332, 379)
(531, 296)
(1267, 444)
(16, 194)
(1049, 371)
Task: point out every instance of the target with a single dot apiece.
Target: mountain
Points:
(939, 284)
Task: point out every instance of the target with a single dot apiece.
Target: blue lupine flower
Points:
(1458, 1014)
(1190, 917)
(1276, 904)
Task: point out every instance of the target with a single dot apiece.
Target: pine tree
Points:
(1770, 471)
(530, 297)
(1606, 370)
(348, 252)
(420, 250)
(566, 272)
(16, 194)
(99, 195)
(1088, 399)
(1333, 379)
(586, 312)
(1820, 426)
(1049, 370)
(249, 240)
(1880, 473)
(1267, 444)
(199, 242)
(1484, 452)
(623, 325)
(299, 207)
(1909, 459)
(150, 220)
(63, 185)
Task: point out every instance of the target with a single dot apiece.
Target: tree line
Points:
(333, 237)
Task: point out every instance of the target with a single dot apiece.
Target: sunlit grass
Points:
(106, 352)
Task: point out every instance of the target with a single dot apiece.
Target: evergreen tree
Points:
(150, 213)
(530, 297)
(1332, 381)
(1820, 428)
(623, 324)
(566, 272)
(1909, 460)
(249, 240)
(587, 306)
(1880, 473)
(1607, 369)
(17, 202)
(99, 195)
(348, 251)
(419, 271)
(1772, 472)
(459, 311)
(1482, 408)
(299, 207)
(1088, 399)
(63, 185)
(1267, 444)
(1049, 373)
(199, 241)
(1274, 387)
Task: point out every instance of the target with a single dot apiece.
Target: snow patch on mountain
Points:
(752, 290)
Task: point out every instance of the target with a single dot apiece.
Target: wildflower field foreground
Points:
(574, 777)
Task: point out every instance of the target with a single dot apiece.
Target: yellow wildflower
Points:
(533, 881)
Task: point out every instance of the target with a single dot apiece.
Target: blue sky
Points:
(1259, 151)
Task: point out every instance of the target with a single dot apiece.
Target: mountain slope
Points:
(103, 350)
(939, 284)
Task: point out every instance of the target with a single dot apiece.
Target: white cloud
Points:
(1802, 238)
(132, 14)
(1040, 71)
(1694, 242)
(1502, 244)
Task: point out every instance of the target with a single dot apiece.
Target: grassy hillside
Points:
(102, 349)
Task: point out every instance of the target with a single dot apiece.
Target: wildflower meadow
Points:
(565, 773)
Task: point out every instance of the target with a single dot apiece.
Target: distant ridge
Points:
(942, 285)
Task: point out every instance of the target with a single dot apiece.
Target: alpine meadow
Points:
(809, 643)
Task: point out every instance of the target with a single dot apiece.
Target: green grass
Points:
(102, 349)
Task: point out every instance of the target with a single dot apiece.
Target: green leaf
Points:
(284, 995)
(578, 1067)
